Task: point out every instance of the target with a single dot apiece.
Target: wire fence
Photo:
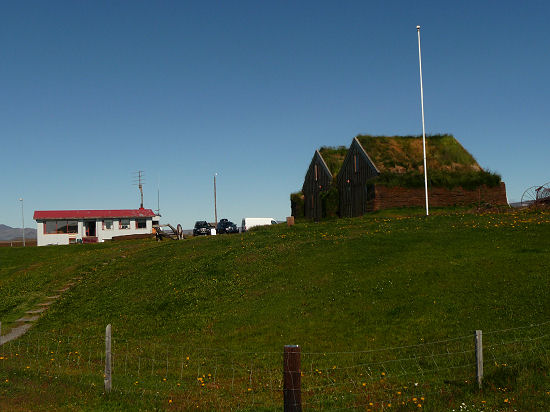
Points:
(224, 379)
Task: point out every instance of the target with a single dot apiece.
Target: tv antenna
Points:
(138, 181)
(158, 196)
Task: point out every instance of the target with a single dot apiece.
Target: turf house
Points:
(319, 195)
(355, 188)
(381, 172)
(318, 180)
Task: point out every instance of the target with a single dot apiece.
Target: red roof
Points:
(91, 214)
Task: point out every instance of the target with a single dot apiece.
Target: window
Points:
(50, 226)
(61, 226)
(124, 224)
(107, 224)
(72, 226)
(141, 224)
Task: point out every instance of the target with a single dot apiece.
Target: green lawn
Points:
(384, 308)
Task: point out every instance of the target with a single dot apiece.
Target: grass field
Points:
(384, 308)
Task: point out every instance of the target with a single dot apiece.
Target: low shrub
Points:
(297, 204)
(329, 199)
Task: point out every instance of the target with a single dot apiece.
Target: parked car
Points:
(202, 228)
(226, 226)
(250, 222)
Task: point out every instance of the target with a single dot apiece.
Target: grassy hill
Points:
(384, 308)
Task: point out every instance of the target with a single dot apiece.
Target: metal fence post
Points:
(292, 379)
(479, 358)
(108, 379)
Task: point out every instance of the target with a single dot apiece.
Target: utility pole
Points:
(23, 220)
(423, 127)
(215, 204)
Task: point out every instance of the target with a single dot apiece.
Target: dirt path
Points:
(26, 322)
(15, 333)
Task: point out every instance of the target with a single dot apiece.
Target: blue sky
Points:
(93, 91)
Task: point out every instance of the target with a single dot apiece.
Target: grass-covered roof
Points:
(401, 154)
(334, 157)
(400, 161)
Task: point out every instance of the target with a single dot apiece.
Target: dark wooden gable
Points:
(355, 181)
(318, 174)
(318, 179)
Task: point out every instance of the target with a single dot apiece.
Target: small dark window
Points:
(141, 224)
(124, 224)
(50, 226)
(72, 226)
(62, 226)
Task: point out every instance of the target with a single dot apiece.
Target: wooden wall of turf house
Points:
(318, 180)
(355, 182)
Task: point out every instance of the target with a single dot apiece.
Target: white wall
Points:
(50, 239)
(43, 239)
(115, 231)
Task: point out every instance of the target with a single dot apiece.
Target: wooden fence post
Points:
(108, 379)
(292, 379)
(479, 358)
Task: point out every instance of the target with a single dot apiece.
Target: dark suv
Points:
(201, 228)
(226, 226)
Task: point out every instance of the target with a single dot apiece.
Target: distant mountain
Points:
(14, 233)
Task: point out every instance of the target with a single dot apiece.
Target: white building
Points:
(61, 227)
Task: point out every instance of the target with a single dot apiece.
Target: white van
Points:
(249, 222)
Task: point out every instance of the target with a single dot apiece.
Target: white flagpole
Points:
(423, 127)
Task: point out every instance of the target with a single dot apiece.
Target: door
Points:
(90, 227)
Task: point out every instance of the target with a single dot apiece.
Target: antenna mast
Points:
(138, 180)
(158, 196)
